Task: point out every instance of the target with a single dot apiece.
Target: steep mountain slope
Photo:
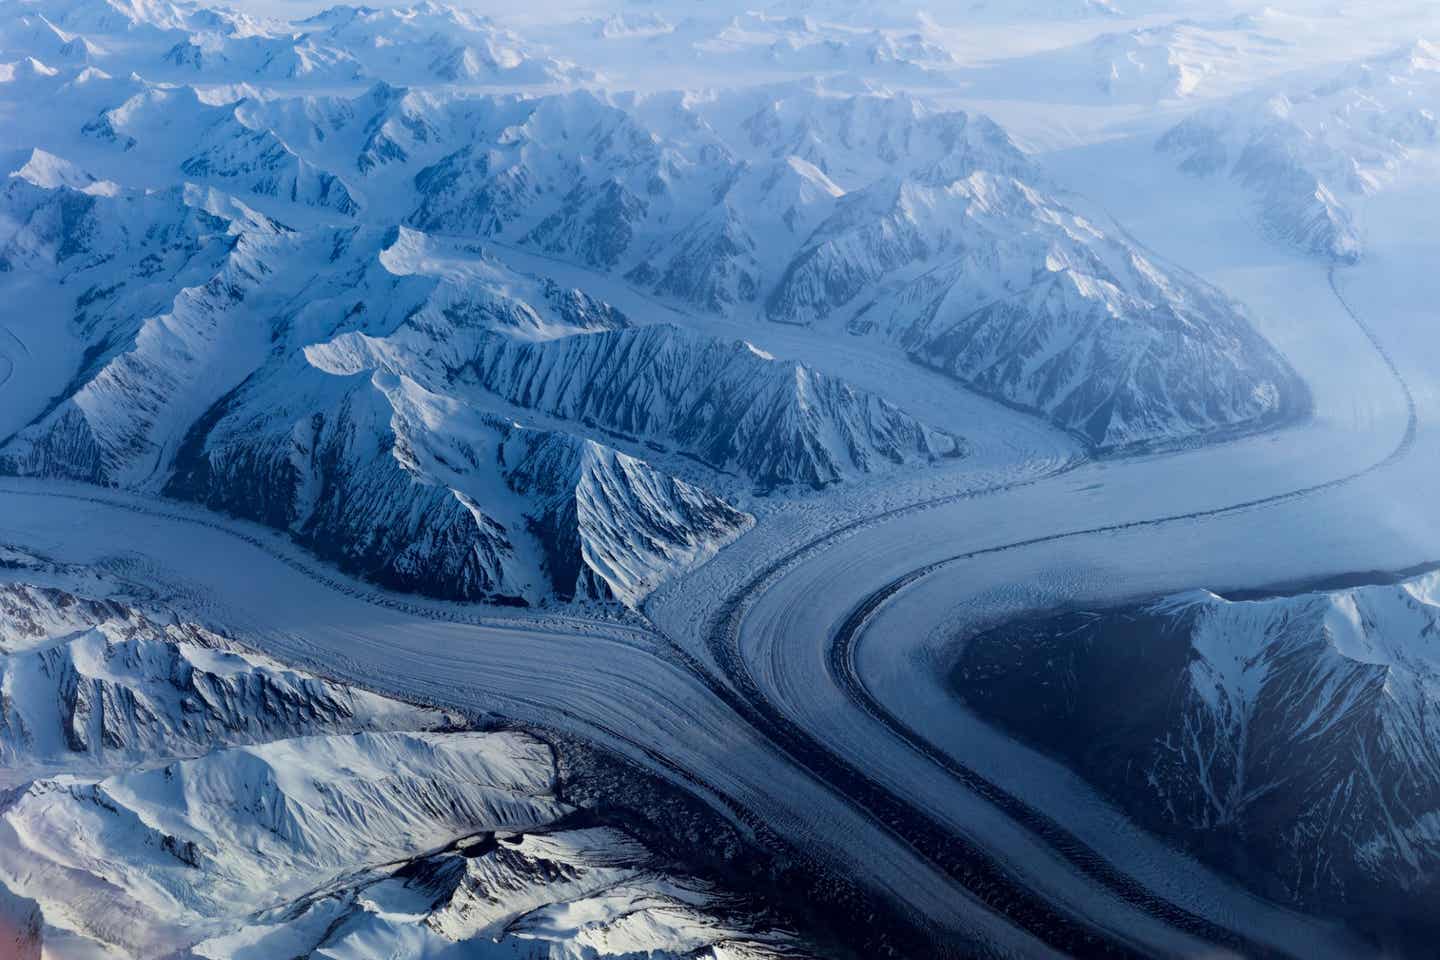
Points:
(877, 216)
(1288, 738)
(214, 144)
(236, 808)
(602, 872)
(94, 683)
(188, 41)
(328, 457)
(1005, 288)
(109, 262)
(386, 125)
(294, 358)
(407, 843)
(793, 202)
(419, 492)
(725, 403)
(156, 355)
(620, 184)
(1306, 154)
(433, 41)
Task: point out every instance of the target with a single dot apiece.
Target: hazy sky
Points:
(502, 9)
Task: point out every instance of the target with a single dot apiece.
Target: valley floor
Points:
(799, 681)
(623, 687)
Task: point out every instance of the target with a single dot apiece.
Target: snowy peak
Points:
(1294, 729)
(1306, 153)
(612, 526)
(1147, 65)
(774, 423)
(430, 41)
(468, 505)
(49, 172)
(93, 684)
(171, 791)
(260, 163)
(228, 146)
(160, 353)
(698, 199)
(338, 288)
(193, 847)
(1018, 296)
(424, 42)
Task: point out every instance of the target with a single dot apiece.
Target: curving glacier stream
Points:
(811, 696)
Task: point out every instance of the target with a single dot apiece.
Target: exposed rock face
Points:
(1027, 301)
(872, 217)
(610, 525)
(85, 682)
(726, 404)
(172, 792)
(213, 399)
(22, 927)
(1287, 739)
(418, 492)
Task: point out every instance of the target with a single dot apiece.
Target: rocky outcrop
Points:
(1286, 739)
(87, 683)
(729, 405)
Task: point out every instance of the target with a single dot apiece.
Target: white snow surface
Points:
(320, 232)
(96, 685)
(204, 798)
(1306, 153)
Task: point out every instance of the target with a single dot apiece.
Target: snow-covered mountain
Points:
(853, 43)
(168, 790)
(1042, 10)
(727, 404)
(916, 226)
(234, 308)
(238, 371)
(1308, 153)
(418, 491)
(218, 145)
(1144, 65)
(434, 42)
(697, 197)
(344, 439)
(184, 316)
(552, 309)
(404, 843)
(1287, 738)
(96, 683)
(1002, 286)
(186, 42)
(870, 215)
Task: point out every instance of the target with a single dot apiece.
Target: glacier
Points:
(520, 483)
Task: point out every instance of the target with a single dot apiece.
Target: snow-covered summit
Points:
(1287, 738)
(363, 296)
(168, 790)
(1306, 153)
